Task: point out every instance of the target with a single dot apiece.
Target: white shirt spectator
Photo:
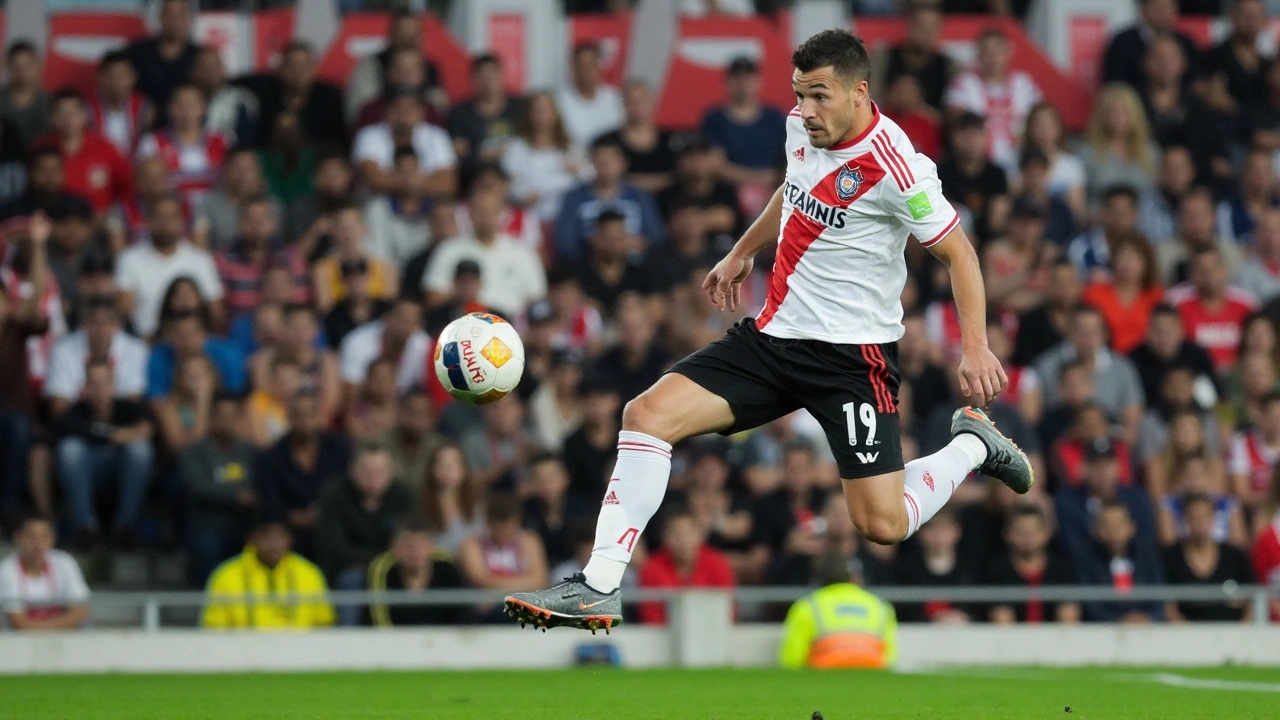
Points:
(364, 345)
(61, 582)
(585, 120)
(511, 275)
(432, 145)
(542, 176)
(1004, 106)
(146, 274)
(70, 354)
(391, 235)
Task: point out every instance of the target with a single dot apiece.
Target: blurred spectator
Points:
(374, 147)
(13, 163)
(1258, 193)
(101, 337)
(74, 245)
(44, 190)
(186, 333)
(1158, 207)
(1213, 314)
(1043, 327)
(555, 409)
(688, 248)
(1261, 277)
(1178, 116)
(463, 298)
(1255, 377)
(541, 158)
(1197, 231)
(357, 518)
(651, 161)
(1262, 114)
(193, 156)
(397, 335)
(498, 447)
(219, 214)
(591, 450)
(404, 74)
(182, 415)
(231, 111)
(1057, 217)
(93, 167)
(372, 409)
(1029, 562)
(573, 322)
(590, 107)
(217, 475)
(608, 191)
(397, 221)
(1127, 299)
(1252, 458)
(511, 274)
(684, 560)
(638, 360)
(266, 415)
(42, 586)
(1066, 180)
(503, 555)
(117, 111)
(350, 262)
(548, 510)
(371, 75)
(905, 105)
(23, 100)
(300, 342)
(19, 321)
(920, 55)
(1119, 560)
(1089, 423)
(1238, 58)
(1000, 96)
(1266, 548)
(1173, 416)
(164, 60)
(412, 563)
(935, 563)
(787, 519)
(104, 440)
(723, 515)
(357, 307)
(293, 88)
(1117, 217)
(1200, 477)
(291, 475)
(970, 179)
(1123, 59)
(516, 221)
(1118, 149)
(696, 182)
(146, 270)
(267, 564)
(1200, 559)
(1015, 267)
(243, 266)
(840, 625)
(1078, 507)
(749, 135)
(606, 272)
(126, 222)
(481, 125)
(289, 161)
(412, 441)
(451, 500)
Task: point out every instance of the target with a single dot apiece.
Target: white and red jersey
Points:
(1004, 106)
(1218, 328)
(123, 126)
(517, 222)
(846, 213)
(1251, 456)
(194, 169)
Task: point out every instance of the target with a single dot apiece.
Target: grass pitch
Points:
(960, 694)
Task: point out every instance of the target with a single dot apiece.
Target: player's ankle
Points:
(973, 448)
(604, 575)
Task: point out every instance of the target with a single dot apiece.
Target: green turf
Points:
(962, 694)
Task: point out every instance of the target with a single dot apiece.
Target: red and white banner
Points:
(507, 33)
(77, 41)
(612, 33)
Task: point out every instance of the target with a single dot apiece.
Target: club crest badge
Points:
(848, 180)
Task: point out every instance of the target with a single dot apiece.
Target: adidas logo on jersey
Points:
(865, 458)
(799, 154)
(611, 499)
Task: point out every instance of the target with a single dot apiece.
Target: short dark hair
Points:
(297, 46)
(502, 507)
(403, 151)
(588, 46)
(98, 362)
(839, 49)
(608, 141)
(483, 59)
(66, 93)
(413, 525)
(609, 215)
(18, 47)
(1115, 191)
(1196, 497)
(30, 517)
(40, 153)
(115, 57)
(1025, 510)
(992, 33)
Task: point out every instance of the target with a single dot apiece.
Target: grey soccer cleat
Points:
(1005, 460)
(572, 603)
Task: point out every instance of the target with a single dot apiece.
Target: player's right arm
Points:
(724, 283)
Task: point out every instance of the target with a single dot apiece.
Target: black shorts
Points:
(851, 389)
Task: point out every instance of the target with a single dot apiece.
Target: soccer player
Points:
(854, 191)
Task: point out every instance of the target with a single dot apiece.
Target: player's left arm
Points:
(981, 376)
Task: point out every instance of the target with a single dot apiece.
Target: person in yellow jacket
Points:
(268, 571)
(840, 625)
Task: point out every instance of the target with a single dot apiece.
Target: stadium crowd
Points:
(220, 297)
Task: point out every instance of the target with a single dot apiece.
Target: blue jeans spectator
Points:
(15, 442)
(83, 465)
(350, 579)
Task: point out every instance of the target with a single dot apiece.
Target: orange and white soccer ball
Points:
(479, 358)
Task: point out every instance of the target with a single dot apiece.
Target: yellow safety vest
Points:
(839, 626)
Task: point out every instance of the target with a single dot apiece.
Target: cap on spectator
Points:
(359, 266)
(541, 312)
(969, 121)
(1027, 207)
(72, 207)
(1100, 449)
(467, 268)
(743, 65)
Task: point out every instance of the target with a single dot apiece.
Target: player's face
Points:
(827, 105)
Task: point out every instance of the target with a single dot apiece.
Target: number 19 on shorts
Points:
(864, 414)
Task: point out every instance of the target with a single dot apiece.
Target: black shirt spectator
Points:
(164, 62)
(359, 514)
(921, 56)
(1237, 58)
(935, 561)
(970, 179)
(696, 183)
(412, 563)
(293, 87)
(1057, 571)
(481, 125)
(606, 271)
(589, 453)
(44, 179)
(688, 248)
(1199, 548)
(1122, 61)
(349, 314)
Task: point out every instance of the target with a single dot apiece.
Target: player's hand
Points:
(724, 283)
(981, 377)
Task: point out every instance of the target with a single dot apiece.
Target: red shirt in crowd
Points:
(96, 172)
(1068, 459)
(1127, 323)
(1216, 329)
(1266, 561)
(711, 569)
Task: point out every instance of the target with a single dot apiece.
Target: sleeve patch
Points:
(920, 206)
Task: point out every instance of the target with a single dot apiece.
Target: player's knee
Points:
(882, 529)
(644, 415)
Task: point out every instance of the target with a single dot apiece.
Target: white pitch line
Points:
(1168, 679)
(1206, 683)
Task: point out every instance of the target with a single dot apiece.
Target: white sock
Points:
(635, 492)
(931, 480)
